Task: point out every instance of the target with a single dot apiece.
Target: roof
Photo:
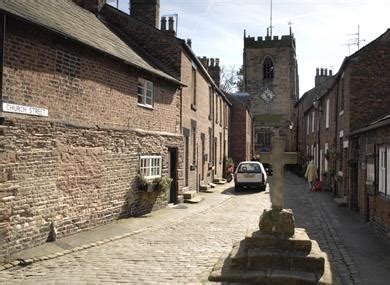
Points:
(379, 122)
(318, 91)
(74, 22)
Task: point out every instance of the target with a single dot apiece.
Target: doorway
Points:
(172, 168)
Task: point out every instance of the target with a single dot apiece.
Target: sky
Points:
(323, 29)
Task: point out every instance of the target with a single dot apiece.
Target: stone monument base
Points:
(274, 255)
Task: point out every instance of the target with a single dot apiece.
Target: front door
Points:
(172, 195)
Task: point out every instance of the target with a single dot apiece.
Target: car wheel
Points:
(262, 188)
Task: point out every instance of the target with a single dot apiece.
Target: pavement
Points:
(180, 244)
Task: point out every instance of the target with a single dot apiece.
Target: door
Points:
(172, 163)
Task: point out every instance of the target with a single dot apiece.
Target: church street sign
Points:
(34, 111)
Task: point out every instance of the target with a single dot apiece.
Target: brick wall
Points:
(373, 206)
(167, 49)
(370, 84)
(77, 167)
(79, 85)
(240, 135)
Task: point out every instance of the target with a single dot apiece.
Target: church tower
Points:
(271, 80)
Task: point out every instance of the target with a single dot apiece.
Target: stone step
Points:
(300, 241)
(289, 261)
(194, 200)
(221, 273)
(206, 189)
(189, 195)
(219, 180)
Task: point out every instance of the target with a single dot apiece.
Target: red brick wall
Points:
(370, 84)
(167, 49)
(79, 85)
(241, 132)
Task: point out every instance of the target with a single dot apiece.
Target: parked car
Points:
(268, 168)
(250, 174)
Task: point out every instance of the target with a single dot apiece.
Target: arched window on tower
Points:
(268, 68)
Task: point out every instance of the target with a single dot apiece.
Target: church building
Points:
(271, 80)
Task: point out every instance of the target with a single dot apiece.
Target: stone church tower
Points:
(271, 80)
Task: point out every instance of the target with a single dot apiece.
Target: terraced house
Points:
(204, 107)
(97, 107)
(343, 124)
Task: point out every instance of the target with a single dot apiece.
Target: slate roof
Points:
(74, 22)
(308, 98)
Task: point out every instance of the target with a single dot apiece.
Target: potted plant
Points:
(164, 185)
(145, 184)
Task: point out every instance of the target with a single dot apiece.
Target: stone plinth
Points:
(278, 253)
(277, 222)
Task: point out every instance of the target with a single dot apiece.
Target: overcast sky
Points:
(322, 28)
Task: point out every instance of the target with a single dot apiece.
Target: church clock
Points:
(267, 95)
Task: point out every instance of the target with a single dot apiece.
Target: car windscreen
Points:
(249, 168)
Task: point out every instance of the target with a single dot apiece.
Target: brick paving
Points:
(184, 250)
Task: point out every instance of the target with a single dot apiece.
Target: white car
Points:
(250, 174)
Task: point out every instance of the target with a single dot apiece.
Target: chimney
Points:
(321, 75)
(147, 11)
(171, 29)
(93, 6)
(163, 24)
(189, 42)
(215, 71)
(204, 61)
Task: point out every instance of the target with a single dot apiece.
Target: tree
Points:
(231, 79)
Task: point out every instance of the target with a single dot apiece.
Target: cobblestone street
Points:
(185, 251)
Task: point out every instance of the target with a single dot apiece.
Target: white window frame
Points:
(150, 166)
(145, 92)
(382, 170)
(313, 121)
(327, 113)
(308, 124)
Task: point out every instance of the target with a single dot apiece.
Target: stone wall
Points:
(76, 168)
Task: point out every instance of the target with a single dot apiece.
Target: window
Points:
(211, 145)
(327, 114)
(150, 166)
(220, 111)
(145, 92)
(313, 121)
(193, 81)
(216, 109)
(308, 125)
(342, 93)
(193, 145)
(210, 103)
(268, 69)
(384, 170)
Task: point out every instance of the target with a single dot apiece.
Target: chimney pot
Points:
(217, 62)
(212, 62)
(322, 72)
(317, 71)
(330, 72)
(189, 42)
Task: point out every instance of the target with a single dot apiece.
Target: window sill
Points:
(193, 107)
(192, 167)
(149, 107)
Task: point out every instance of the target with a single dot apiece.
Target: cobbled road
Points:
(182, 253)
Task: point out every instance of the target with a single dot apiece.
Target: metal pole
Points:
(271, 21)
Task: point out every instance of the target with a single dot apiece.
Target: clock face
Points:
(267, 95)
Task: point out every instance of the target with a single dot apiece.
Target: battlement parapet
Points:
(267, 41)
